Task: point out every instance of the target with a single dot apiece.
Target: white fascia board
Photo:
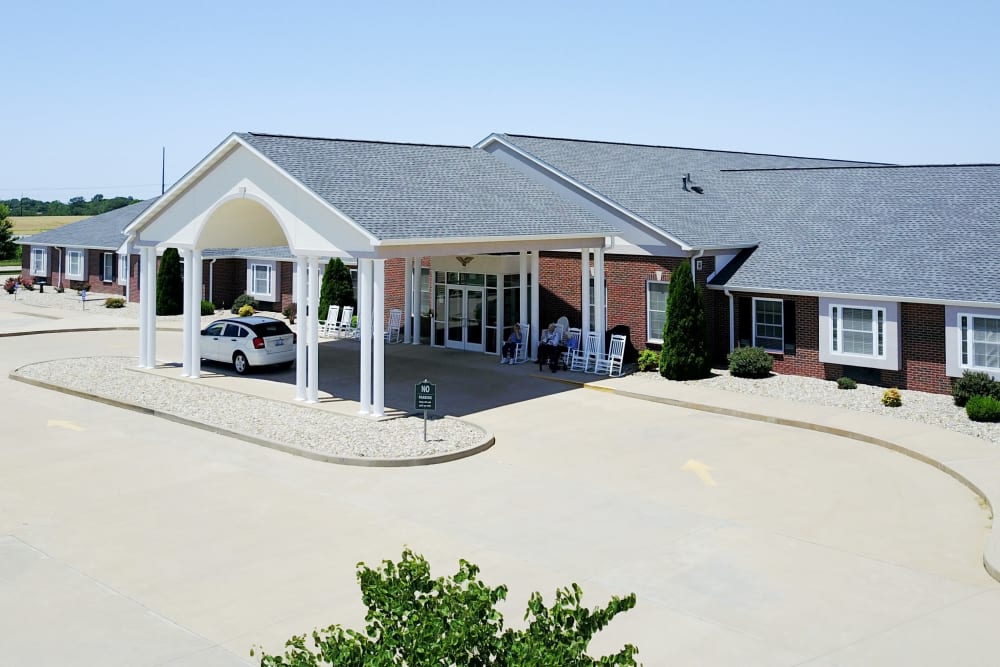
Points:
(573, 183)
(68, 247)
(861, 297)
(333, 209)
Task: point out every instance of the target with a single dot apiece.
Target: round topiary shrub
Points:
(649, 360)
(750, 362)
(974, 383)
(892, 398)
(983, 409)
(244, 300)
(246, 311)
(847, 383)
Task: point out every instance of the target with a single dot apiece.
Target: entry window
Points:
(261, 280)
(768, 328)
(108, 267)
(74, 264)
(656, 309)
(858, 331)
(123, 269)
(980, 342)
(39, 261)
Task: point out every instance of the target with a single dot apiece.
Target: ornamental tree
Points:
(685, 350)
(170, 284)
(337, 289)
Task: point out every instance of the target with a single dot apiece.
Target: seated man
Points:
(549, 348)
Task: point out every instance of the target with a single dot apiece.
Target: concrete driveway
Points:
(127, 540)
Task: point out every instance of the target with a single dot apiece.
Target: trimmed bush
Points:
(207, 307)
(114, 302)
(246, 311)
(244, 300)
(337, 289)
(685, 351)
(974, 383)
(649, 360)
(290, 311)
(169, 284)
(892, 398)
(847, 383)
(750, 362)
(983, 409)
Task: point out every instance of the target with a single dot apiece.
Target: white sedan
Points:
(248, 341)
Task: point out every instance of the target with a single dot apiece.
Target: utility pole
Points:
(163, 171)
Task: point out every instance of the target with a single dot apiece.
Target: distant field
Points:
(32, 224)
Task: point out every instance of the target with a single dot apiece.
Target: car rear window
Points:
(270, 329)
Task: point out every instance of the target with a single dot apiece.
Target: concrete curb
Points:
(991, 551)
(12, 334)
(488, 438)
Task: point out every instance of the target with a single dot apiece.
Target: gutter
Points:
(732, 320)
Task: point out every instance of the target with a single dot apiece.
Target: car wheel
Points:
(240, 363)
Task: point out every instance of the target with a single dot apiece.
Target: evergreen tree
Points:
(337, 288)
(685, 353)
(8, 249)
(170, 284)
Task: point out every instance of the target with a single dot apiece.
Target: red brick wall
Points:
(229, 280)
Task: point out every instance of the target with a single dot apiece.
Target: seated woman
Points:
(549, 348)
(513, 340)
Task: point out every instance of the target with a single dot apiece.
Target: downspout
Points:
(59, 284)
(211, 273)
(732, 322)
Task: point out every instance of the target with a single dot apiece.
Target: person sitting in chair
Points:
(513, 340)
(549, 348)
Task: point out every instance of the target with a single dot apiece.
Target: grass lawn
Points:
(32, 224)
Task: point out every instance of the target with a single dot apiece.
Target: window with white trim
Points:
(656, 309)
(769, 324)
(980, 341)
(74, 265)
(123, 269)
(261, 280)
(39, 261)
(108, 267)
(857, 330)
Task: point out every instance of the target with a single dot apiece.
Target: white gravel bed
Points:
(318, 430)
(935, 409)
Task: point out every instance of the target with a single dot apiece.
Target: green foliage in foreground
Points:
(416, 621)
(8, 249)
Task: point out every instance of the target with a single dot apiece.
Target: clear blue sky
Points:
(94, 89)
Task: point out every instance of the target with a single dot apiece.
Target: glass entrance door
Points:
(464, 330)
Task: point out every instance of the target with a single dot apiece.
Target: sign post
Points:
(425, 398)
(83, 299)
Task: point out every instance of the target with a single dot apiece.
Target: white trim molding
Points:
(886, 350)
(656, 336)
(74, 255)
(40, 261)
(959, 350)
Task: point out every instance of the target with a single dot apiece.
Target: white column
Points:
(365, 324)
(196, 297)
(407, 298)
(500, 323)
(302, 315)
(600, 308)
(143, 311)
(149, 290)
(522, 295)
(415, 299)
(312, 325)
(378, 338)
(535, 322)
(188, 325)
(585, 291)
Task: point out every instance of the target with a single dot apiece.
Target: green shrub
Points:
(750, 362)
(974, 383)
(207, 307)
(983, 409)
(290, 311)
(892, 398)
(114, 302)
(169, 284)
(244, 300)
(847, 383)
(649, 360)
(336, 289)
(685, 350)
(418, 620)
(246, 311)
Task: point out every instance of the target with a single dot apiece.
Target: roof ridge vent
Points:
(687, 183)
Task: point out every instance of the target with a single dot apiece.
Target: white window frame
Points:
(107, 267)
(966, 352)
(891, 357)
(81, 273)
(877, 332)
(272, 279)
(654, 336)
(953, 315)
(123, 268)
(781, 312)
(40, 261)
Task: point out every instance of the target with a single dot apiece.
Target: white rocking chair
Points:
(566, 358)
(585, 357)
(521, 349)
(344, 328)
(394, 332)
(611, 363)
(329, 325)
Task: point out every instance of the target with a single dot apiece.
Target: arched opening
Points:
(241, 223)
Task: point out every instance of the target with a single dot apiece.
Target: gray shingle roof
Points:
(413, 191)
(929, 232)
(102, 231)
(647, 181)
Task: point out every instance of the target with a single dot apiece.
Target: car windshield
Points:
(271, 329)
